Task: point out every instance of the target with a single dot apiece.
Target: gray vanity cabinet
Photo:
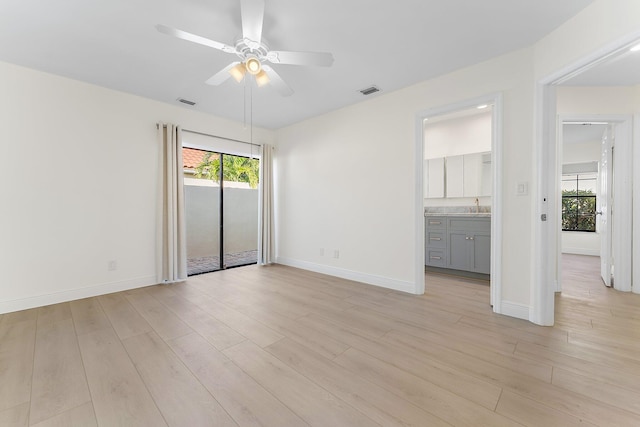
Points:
(436, 241)
(459, 243)
(469, 244)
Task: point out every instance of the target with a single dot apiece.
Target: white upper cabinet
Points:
(434, 178)
(472, 175)
(467, 175)
(455, 176)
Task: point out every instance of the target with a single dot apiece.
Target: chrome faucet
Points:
(477, 205)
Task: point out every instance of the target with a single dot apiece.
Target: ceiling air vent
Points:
(186, 101)
(369, 90)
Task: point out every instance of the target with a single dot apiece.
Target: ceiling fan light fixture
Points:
(262, 78)
(238, 72)
(253, 65)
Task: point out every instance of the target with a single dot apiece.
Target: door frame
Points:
(545, 251)
(496, 198)
(622, 186)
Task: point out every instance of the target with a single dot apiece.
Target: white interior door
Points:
(604, 205)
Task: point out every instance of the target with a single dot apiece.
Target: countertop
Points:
(459, 214)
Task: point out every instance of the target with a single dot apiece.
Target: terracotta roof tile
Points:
(192, 157)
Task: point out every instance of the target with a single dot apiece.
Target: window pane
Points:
(587, 186)
(569, 185)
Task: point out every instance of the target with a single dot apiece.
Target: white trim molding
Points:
(370, 279)
(514, 309)
(75, 294)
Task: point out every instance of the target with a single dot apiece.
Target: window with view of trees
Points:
(579, 202)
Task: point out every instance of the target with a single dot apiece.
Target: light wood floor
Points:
(276, 346)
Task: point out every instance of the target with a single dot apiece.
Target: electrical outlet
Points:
(321, 252)
(336, 254)
(112, 266)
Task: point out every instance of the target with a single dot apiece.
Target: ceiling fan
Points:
(253, 51)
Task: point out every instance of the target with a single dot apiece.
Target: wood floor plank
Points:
(59, 381)
(81, 416)
(243, 324)
(17, 416)
(379, 404)
(88, 316)
(216, 332)
(17, 344)
(311, 402)
(19, 316)
(54, 313)
(248, 403)
(430, 369)
(421, 338)
(612, 394)
(436, 400)
(531, 413)
(575, 404)
(629, 378)
(178, 394)
(322, 343)
(119, 396)
(126, 321)
(162, 320)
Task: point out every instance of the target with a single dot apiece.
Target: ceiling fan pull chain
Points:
(244, 105)
(251, 112)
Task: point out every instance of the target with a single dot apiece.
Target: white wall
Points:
(461, 135)
(78, 185)
(371, 146)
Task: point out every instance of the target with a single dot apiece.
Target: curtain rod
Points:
(213, 136)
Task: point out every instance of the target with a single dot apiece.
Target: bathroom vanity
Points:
(458, 242)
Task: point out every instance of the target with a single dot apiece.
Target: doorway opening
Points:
(586, 199)
(584, 74)
(460, 187)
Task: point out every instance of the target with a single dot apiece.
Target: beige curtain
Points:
(266, 244)
(171, 248)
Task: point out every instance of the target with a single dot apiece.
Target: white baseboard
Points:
(513, 309)
(371, 279)
(581, 251)
(74, 294)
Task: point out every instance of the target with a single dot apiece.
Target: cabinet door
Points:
(487, 175)
(481, 254)
(434, 178)
(472, 175)
(458, 255)
(455, 176)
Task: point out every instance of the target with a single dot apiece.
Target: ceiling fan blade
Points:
(194, 38)
(276, 81)
(252, 17)
(221, 76)
(320, 59)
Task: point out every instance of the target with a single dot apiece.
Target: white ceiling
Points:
(392, 44)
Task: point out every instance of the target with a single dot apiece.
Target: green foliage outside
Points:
(578, 210)
(235, 168)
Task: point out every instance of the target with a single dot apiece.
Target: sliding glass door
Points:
(240, 210)
(221, 204)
